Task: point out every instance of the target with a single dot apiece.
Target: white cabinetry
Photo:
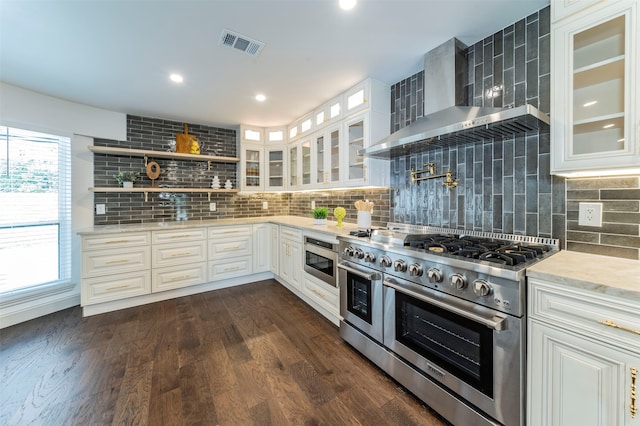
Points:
(115, 266)
(582, 370)
(291, 256)
(230, 249)
(261, 247)
(262, 162)
(179, 258)
(595, 108)
(274, 248)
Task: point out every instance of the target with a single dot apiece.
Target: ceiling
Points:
(118, 54)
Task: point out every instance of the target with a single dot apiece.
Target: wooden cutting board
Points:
(183, 141)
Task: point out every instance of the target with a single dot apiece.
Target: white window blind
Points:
(35, 217)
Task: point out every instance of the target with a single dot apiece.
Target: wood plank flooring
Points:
(247, 355)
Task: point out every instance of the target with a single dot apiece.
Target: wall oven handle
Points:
(366, 275)
(498, 325)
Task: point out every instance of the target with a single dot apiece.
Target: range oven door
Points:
(476, 352)
(361, 298)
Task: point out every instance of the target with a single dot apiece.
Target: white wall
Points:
(33, 111)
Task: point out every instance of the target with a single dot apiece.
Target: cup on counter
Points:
(364, 220)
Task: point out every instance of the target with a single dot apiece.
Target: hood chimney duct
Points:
(445, 76)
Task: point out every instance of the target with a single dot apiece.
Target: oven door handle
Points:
(493, 324)
(367, 276)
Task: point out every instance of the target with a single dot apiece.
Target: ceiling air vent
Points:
(242, 43)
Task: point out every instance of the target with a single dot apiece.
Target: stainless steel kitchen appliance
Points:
(443, 312)
(320, 259)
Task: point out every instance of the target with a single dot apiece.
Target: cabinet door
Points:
(320, 151)
(333, 156)
(275, 158)
(251, 168)
(286, 267)
(574, 380)
(355, 134)
(295, 260)
(305, 151)
(261, 247)
(294, 161)
(274, 247)
(594, 84)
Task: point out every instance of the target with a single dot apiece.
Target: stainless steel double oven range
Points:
(443, 312)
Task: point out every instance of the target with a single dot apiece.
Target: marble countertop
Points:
(602, 274)
(304, 223)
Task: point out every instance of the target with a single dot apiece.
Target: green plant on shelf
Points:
(126, 176)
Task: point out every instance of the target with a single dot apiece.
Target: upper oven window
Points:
(320, 263)
(359, 291)
(457, 344)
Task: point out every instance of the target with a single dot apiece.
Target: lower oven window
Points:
(459, 345)
(319, 263)
(359, 296)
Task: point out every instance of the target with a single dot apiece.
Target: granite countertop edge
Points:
(601, 274)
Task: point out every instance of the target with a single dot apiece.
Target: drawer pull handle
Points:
(318, 293)
(231, 248)
(610, 323)
(184, 253)
(116, 241)
(117, 287)
(181, 236)
(181, 277)
(232, 268)
(632, 408)
(111, 262)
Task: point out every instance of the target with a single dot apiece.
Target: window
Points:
(35, 218)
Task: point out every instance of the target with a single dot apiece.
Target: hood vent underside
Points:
(459, 125)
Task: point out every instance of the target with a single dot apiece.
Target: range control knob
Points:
(482, 288)
(359, 254)
(370, 257)
(400, 265)
(385, 261)
(458, 281)
(434, 275)
(348, 251)
(415, 270)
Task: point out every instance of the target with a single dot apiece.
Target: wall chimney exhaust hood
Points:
(447, 120)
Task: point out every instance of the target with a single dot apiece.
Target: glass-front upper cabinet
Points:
(355, 138)
(251, 162)
(594, 106)
(319, 146)
(334, 156)
(294, 173)
(275, 168)
(305, 147)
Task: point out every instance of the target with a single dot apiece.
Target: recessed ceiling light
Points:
(261, 98)
(590, 103)
(177, 78)
(347, 4)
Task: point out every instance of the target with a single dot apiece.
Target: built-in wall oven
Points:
(321, 259)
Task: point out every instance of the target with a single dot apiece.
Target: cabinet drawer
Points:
(291, 233)
(324, 294)
(178, 276)
(96, 263)
(585, 312)
(229, 247)
(179, 254)
(112, 241)
(223, 232)
(175, 236)
(229, 268)
(115, 287)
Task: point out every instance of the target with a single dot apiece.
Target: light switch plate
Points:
(590, 214)
(265, 205)
(100, 209)
(212, 207)
(313, 205)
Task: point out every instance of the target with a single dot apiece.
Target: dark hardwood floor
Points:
(248, 355)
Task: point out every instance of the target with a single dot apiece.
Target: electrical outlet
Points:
(265, 205)
(313, 205)
(590, 214)
(212, 207)
(100, 209)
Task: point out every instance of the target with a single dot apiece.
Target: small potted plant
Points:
(320, 215)
(126, 179)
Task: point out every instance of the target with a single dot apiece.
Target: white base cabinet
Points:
(291, 256)
(581, 371)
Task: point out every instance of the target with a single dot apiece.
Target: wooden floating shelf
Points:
(155, 189)
(161, 154)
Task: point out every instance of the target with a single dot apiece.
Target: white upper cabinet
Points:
(329, 113)
(595, 102)
(262, 159)
(301, 127)
(561, 9)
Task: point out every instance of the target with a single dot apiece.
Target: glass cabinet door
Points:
(334, 166)
(252, 168)
(599, 88)
(293, 166)
(355, 135)
(275, 168)
(306, 162)
(320, 150)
